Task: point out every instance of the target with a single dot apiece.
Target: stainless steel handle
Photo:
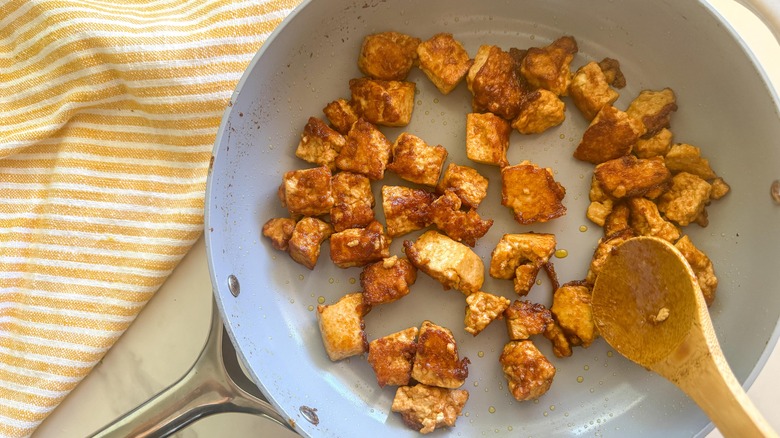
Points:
(206, 389)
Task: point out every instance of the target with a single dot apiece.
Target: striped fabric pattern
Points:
(108, 114)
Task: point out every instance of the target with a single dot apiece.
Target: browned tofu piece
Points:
(610, 135)
(654, 109)
(495, 83)
(391, 357)
(618, 219)
(525, 319)
(701, 266)
(590, 91)
(646, 220)
(719, 188)
(388, 55)
(306, 238)
(466, 182)
(444, 60)
(353, 205)
(601, 204)
(437, 362)
(426, 408)
(319, 143)
(528, 373)
(540, 111)
(341, 326)
(406, 209)
(687, 158)
(656, 146)
(307, 192)
(628, 176)
(387, 280)
(451, 263)
(359, 246)
(611, 69)
(366, 152)
(605, 246)
(550, 67)
(520, 257)
(386, 103)
(571, 308)
(461, 226)
(279, 230)
(487, 138)
(560, 343)
(686, 198)
(416, 161)
(341, 115)
(532, 193)
(481, 309)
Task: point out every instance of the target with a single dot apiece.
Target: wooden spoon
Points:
(648, 306)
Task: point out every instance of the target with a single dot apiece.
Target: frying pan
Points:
(267, 301)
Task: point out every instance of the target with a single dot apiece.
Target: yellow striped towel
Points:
(108, 113)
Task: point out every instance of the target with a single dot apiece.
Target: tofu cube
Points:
(495, 83)
(611, 69)
(388, 55)
(618, 219)
(426, 408)
(532, 193)
(452, 264)
(359, 246)
(437, 362)
(353, 205)
(605, 246)
(525, 319)
(461, 226)
(656, 146)
(481, 309)
(610, 135)
(571, 308)
(307, 236)
(654, 109)
(387, 280)
(487, 138)
(540, 111)
(701, 266)
(341, 115)
(520, 257)
(528, 372)
(319, 143)
(686, 198)
(416, 161)
(590, 91)
(367, 151)
(687, 158)
(406, 209)
(646, 220)
(466, 182)
(628, 176)
(341, 325)
(550, 67)
(719, 188)
(307, 192)
(444, 60)
(386, 103)
(279, 231)
(560, 343)
(391, 357)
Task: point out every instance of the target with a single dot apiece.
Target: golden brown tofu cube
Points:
(719, 188)
(611, 69)
(618, 219)
(487, 138)
(550, 67)
(686, 198)
(461, 226)
(571, 308)
(646, 220)
(520, 257)
(701, 266)
(388, 55)
(437, 362)
(560, 343)
(366, 152)
(386, 103)
(387, 280)
(341, 115)
(590, 91)
(451, 263)
(359, 246)
(279, 231)
(444, 60)
(654, 109)
(306, 238)
(319, 143)
(426, 408)
(610, 135)
(495, 83)
(687, 158)
(628, 176)
(525, 319)
(416, 161)
(353, 201)
(528, 373)
(540, 111)
(406, 209)
(307, 192)
(532, 193)
(656, 146)
(481, 309)
(341, 326)
(599, 211)
(605, 246)
(391, 357)
(466, 182)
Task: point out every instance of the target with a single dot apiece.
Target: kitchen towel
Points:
(108, 114)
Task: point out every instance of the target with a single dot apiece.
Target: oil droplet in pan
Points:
(561, 253)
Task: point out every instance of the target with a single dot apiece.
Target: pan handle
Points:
(768, 11)
(206, 389)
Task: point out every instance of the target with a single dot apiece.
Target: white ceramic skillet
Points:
(725, 107)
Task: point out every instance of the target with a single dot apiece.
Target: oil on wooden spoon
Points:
(648, 306)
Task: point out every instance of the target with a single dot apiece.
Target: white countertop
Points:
(168, 335)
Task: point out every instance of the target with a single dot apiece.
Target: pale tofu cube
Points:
(549, 67)
(487, 138)
(520, 257)
(646, 220)
(452, 264)
(387, 280)
(481, 309)
(701, 266)
(598, 211)
(406, 209)
(306, 238)
(341, 325)
(654, 109)
(279, 231)
(341, 115)
(386, 103)
(466, 182)
(388, 55)
(629, 176)
(307, 192)
(687, 158)
(391, 357)
(495, 83)
(426, 408)
(590, 91)
(686, 198)
(461, 226)
(532, 193)
(540, 111)
(525, 319)
(444, 60)
(528, 373)
(416, 161)
(572, 309)
(359, 246)
(353, 205)
(319, 143)
(610, 135)
(437, 362)
(656, 146)
(367, 151)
